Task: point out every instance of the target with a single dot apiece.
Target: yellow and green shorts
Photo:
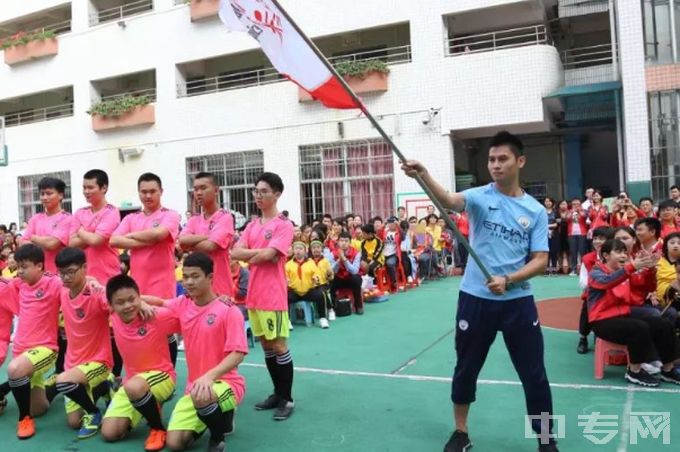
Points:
(42, 359)
(270, 324)
(162, 387)
(185, 417)
(96, 373)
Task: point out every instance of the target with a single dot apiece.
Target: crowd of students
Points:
(631, 282)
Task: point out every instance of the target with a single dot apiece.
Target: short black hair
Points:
(368, 228)
(603, 231)
(672, 235)
(377, 218)
(651, 223)
(646, 198)
(625, 229)
(207, 175)
(327, 215)
(666, 204)
(70, 256)
(31, 253)
(52, 182)
(674, 187)
(344, 235)
(401, 208)
(200, 260)
(273, 180)
(149, 177)
(612, 245)
(99, 175)
(505, 138)
(119, 282)
(341, 221)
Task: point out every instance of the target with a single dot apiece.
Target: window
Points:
(236, 173)
(29, 197)
(659, 43)
(349, 177)
(664, 130)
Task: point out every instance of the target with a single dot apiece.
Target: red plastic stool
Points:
(602, 350)
(381, 279)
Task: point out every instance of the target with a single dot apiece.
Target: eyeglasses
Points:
(261, 194)
(70, 273)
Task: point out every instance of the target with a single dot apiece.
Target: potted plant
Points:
(363, 76)
(202, 9)
(121, 112)
(29, 46)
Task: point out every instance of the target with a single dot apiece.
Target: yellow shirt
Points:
(300, 275)
(372, 250)
(179, 271)
(323, 270)
(7, 273)
(665, 275)
(436, 234)
(356, 244)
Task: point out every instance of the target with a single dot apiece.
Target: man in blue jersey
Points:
(509, 232)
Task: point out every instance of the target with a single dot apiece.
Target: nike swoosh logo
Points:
(536, 323)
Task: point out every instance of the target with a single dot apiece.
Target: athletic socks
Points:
(284, 364)
(172, 344)
(213, 417)
(270, 360)
(5, 389)
(51, 392)
(101, 390)
(78, 394)
(21, 390)
(148, 407)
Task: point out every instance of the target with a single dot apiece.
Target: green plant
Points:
(361, 67)
(23, 38)
(118, 106)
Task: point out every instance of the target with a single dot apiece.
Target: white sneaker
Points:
(180, 346)
(323, 323)
(650, 369)
(290, 325)
(409, 279)
(331, 315)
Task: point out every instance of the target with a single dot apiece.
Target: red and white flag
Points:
(286, 49)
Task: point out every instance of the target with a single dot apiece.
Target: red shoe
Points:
(156, 440)
(26, 428)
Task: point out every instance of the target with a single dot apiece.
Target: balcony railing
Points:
(265, 76)
(57, 28)
(498, 40)
(38, 115)
(587, 56)
(148, 92)
(119, 12)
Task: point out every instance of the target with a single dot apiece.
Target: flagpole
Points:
(461, 239)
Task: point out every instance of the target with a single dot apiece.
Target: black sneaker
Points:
(672, 376)
(641, 378)
(269, 403)
(215, 446)
(284, 410)
(552, 447)
(230, 423)
(3, 403)
(582, 348)
(359, 311)
(459, 442)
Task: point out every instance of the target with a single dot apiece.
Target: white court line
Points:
(484, 382)
(625, 428)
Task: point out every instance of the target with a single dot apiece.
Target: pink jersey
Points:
(153, 266)
(38, 313)
(86, 321)
(58, 226)
(210, 333)
(267, 287)
(220, 230)
(143, 344)
(103, 263)
(8, 309)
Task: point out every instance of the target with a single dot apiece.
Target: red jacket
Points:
(609, 292)
(581, 221)
(598, 217)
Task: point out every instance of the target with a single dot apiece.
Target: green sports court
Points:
(381, 383)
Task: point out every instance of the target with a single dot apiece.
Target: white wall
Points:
(489, 90)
